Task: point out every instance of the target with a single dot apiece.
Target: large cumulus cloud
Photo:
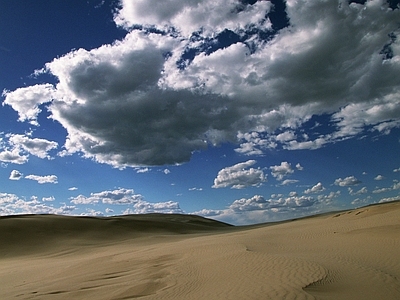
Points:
(110, 102)
(135, 103)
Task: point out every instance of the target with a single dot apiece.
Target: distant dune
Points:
(352, 254)
(25, 234)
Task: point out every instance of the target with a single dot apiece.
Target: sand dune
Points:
(347, 255)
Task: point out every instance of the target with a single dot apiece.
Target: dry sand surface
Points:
(348, 255)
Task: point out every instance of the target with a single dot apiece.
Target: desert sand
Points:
(352, 254)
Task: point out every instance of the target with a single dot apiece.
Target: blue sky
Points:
(242, 111)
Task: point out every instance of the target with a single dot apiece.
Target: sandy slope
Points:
(348, 255)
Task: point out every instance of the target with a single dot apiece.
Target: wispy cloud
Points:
(318, 188)
(363, 190)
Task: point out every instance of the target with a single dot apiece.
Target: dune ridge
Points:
(24, 234)
(344, 255)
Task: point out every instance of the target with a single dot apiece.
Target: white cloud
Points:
(288, 181)
(81, 199)
(189, 16)
(327, 199)
(15, 175)
(93, 213)
(282, 170)
(14, 148)
(286, 136)
(11, 204)
(395, 186)
(26, 100)
(396, 170)
(124, 196)
(208, 212)
(258, 202)
(142, 170)
(144, 207)
(360, 201)
(258, 209)
(363, 190)
(381, 190)
(300, 201)
(379, 177)
(72, 188)
(318, 188)
(275, 196)
(299, 167)
(48, 199)
(310, 145)
(389, 199)
(239, 176)
(251, 143)
(348, 181)
(35, 146)
(7, 198)
(14, 156)
(120, 196)
(153, 99)
(43, 179)
(195, 189)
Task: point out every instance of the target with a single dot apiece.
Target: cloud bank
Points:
(11, 204)
(195, 73)
(127, 197)
(258, 208)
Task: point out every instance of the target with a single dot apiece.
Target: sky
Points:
(240, 111)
